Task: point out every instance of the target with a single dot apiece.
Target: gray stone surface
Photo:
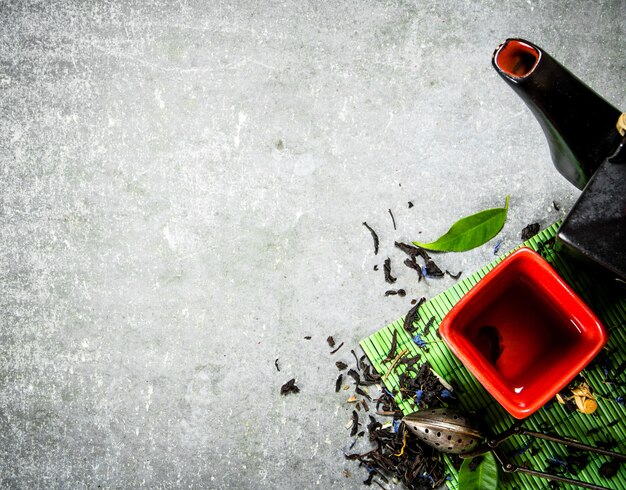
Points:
(183, 186)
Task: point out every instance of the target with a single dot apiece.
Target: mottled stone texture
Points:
(182, 188)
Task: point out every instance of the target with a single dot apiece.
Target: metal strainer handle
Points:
(508, 467)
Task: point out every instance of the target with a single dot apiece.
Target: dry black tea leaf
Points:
(393, 292)
(609, 469)
(412, 316)
(341, 365)
(410, 204)
(289, 387)
(276, 364)
(369, 377)
(308, 337)
(409, 362)
(530, 231)
(429, 323)
(556, 206)
(356, 359)
(392, 349)
(338, 383)
(363, 362)
(411, 263)
(340, 346)
(363, 393)
(355, 423)
(374, 237)
(331, 341)
(376, 267)
(454, 276)
(354, 375)
(393, 220)
(412, 250)
(370, 477)
(577, 461)
(432, 269)
(387, 268)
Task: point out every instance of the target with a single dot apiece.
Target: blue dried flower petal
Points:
(396, 426)
(557, 461)
(445, 394)
(418, 396)
(520, 451)
(419, 341)
(620, 400)
(496, 249)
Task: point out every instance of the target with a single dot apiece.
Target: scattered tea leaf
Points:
(363, 393)
(471, 231)
(454, 276)
(429, 323)
(431, 269)
(387, 269)
(411, 263)
(481, 476)
(331, 341)
(355, 423)
(276, 364)
(392, 349)
(356, 359)
(307, 337)
(354, 375)
(412, 316)
(393, 220)
(289, 387)
(410, 204)
(340, 346)
(374, 237)
(530, 231)
(341, 365)
(338, 383)
(609, 469)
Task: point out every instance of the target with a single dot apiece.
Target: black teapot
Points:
(587, 140)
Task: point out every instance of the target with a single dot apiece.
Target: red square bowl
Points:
(523, 333)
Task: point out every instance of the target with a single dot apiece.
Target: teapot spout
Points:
(580, 126)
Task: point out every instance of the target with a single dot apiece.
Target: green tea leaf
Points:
(471, 231)
(478, 474)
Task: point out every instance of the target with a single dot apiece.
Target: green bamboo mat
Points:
(605, 425)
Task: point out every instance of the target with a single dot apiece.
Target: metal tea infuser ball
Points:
(453, 432)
